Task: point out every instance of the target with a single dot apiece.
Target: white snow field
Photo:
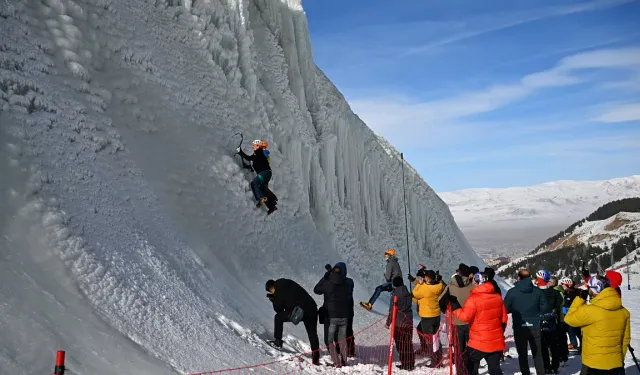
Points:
(129, 235)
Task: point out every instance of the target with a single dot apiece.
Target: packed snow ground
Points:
(128, 228)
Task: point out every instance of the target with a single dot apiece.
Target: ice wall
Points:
(129, 235)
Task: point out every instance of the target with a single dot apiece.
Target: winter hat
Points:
(473, 270)
(596, 285)
(479, 278)
(543, 277)
(490, 272)
(430, 274)
(614, 277)
(397, 282)
(463, 269)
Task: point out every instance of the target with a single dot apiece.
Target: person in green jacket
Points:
(561, 328)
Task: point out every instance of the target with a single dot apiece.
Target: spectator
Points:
(561, 331)
(606, 329)
(569, 295)
(456, 293)
(336, 292)
(487, 317)
(426, 294)
(549, 323)
(404, 324)
(288, 297)
(491, 274)
(526, 303)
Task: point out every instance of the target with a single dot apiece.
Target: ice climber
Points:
(293, 304)
(259, 185)
(393, 270)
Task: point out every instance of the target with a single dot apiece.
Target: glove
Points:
(584, 294)
(270, 296)
(328, 267)
(238, 150)
(438, 276)
(411, 278)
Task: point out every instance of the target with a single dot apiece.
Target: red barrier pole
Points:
(450, 338)
(393, 329)
(59, 369)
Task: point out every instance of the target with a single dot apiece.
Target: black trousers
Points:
(404, 345)
(426, 330)
(563, 348)
(594, 371)
(551, 348)
(533, 338)
(310, 321)
(350, 342)
(461, 349)
(493, 361)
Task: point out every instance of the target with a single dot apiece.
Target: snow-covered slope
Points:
(601, 232)
(565, 201)
(129, 234)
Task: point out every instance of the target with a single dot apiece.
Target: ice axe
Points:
(244, 165)
(634, 357)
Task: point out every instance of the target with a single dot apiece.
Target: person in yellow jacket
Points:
(606, 329)
(426, 295)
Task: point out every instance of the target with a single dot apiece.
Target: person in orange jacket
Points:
(487, 317)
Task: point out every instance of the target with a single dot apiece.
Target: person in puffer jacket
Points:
(404, 324)
(426, 294)
(487, 316)
(606, 328)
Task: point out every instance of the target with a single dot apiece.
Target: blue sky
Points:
(491, 93)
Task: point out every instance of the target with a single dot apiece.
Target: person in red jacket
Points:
(487, 317)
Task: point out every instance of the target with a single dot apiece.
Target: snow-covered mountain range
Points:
(555, 201)
(512, 221)
(129, 236)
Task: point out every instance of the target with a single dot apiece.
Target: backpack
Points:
(266, 153)
(548, 321)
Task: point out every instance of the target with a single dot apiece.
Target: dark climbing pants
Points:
(259, 183)
(386, 287)
(310, 321)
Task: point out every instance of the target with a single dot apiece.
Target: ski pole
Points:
(634, 357)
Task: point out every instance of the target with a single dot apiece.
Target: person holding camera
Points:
(293, 304)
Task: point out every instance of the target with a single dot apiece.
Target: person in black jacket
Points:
(403, 333)
(491, 274)
(570, 293)
(286, 295)
(263, 169)
(549, 323)
(336, 293)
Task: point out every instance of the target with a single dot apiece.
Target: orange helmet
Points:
(264, 144)
(390, 252)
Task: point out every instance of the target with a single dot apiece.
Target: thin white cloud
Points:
(398, 117)
(621, 113)
(501, 23)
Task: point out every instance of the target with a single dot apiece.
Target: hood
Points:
(337, 278)
(343, 268)
(483, 288)
(460, 281)
(608, 299)
(524, 285)
(401, 291)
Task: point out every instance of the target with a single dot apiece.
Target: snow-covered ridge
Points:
(601, 233)
(127, 224)
(561, 201)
